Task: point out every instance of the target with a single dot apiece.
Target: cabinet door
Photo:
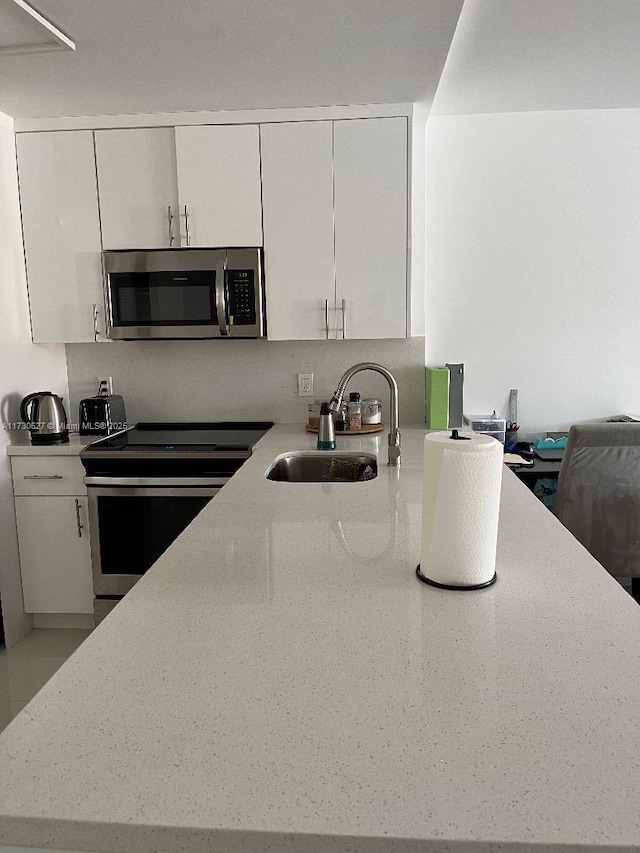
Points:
(219, 184)
(297, 194)
(370, 160)
(138, 188)
(55, 560)
(59, 202)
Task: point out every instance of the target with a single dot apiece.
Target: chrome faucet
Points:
(394, 432)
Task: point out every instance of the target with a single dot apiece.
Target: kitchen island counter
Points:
(281, 681)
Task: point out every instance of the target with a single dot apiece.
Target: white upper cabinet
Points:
(219, 185)
(176, 187)
(61, 229)
(138, 188)
(335, 200)
(297, 192)
(331, 194)
(371, 204)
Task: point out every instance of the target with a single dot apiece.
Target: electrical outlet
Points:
(105, 386)
(305, 385)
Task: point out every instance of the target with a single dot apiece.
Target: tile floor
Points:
(26, 667)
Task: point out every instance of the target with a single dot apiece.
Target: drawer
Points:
(47, 475)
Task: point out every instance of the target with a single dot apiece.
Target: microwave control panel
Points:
(242, 297)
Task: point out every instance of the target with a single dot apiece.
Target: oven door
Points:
(133, 522)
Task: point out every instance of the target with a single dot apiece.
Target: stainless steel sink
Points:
(323, 466)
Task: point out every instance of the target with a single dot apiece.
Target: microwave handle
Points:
(221, 296)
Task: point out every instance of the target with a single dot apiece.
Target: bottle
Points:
(355, 411)
(313, 414)
(342, 418)
(326, 433)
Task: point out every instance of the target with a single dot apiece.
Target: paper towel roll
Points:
(460, 510)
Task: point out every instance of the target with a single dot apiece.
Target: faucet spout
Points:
(394, 431)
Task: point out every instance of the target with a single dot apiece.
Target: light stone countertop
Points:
(21, 445)
(281, 681)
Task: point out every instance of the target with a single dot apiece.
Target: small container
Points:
(371, 411)
(326, 433)
(487, 425)
(355, 411)
(313, 414)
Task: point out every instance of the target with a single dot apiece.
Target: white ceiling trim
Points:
(264, 116)
(59, 41)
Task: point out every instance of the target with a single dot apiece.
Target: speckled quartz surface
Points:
(281, 681)
(21, 446)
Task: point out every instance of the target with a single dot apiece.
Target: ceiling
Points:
(164, 56)
(524, 55)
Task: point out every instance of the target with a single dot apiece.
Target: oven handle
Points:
(157, 482)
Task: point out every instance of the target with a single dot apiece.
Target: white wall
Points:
(533, 261)
(241, 380)
(24, 367)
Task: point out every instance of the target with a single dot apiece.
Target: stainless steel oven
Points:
(145, 485)
(133, 521)
(184, 293)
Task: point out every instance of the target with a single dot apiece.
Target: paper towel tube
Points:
(460, 510)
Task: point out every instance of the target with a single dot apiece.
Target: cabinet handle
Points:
(79, 525)
(43, 477)
(170, 223)
(344, 319)
(222, 301)
(326, 318)
(96, 331)
(186, 225)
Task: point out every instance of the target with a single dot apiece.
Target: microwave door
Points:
(163, 294)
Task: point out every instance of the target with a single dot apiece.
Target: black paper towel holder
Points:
(460, 587)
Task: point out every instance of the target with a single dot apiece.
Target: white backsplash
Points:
(242, 380)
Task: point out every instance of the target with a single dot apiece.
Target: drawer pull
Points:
(43, 477)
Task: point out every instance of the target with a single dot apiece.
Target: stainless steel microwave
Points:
(184, 293)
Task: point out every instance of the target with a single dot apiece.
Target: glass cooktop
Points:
(169, 438)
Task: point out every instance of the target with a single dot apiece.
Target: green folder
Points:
(438, 397)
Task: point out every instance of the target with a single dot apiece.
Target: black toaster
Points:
(102, 415)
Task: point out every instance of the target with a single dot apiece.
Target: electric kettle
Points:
(45, 418)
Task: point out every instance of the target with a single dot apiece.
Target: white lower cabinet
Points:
(55, 558)
(52, 517)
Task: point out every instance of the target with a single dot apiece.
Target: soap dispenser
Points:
(326, 432)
